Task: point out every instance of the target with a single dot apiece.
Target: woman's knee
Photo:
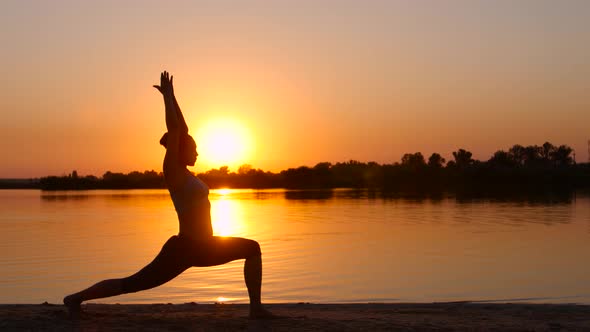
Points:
(253, 248)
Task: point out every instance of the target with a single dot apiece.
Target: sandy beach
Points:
(462, 316)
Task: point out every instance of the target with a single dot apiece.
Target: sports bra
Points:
(190, 195)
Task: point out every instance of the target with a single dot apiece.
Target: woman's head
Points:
(187, 151)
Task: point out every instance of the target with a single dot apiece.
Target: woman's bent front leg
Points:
(221, 250)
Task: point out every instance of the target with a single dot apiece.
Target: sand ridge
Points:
(458, 316)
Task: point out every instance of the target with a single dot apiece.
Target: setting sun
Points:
(224, 142)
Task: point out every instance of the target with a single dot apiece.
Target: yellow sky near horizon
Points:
(309, 81)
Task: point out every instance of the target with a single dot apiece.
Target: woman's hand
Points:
(166, 87)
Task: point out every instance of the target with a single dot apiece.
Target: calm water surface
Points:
(339, 246)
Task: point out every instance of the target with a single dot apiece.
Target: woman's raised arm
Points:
(174, 126)
(182, 124)
(166, 88)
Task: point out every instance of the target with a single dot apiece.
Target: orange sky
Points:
(310, 80)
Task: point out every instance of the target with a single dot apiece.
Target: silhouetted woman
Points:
(195, 244)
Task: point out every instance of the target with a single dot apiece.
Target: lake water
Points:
(323, 246)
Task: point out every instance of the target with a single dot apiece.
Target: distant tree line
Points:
(520, 168)
(110, 180)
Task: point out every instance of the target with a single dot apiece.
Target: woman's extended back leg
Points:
(167, 265)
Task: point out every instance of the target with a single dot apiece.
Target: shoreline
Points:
(451, 316)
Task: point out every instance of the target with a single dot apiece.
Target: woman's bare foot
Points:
(73, 305)
(261, 313)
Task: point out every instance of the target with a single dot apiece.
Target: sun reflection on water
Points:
(223, 191)
(226, 216)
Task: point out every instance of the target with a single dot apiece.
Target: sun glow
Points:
(224, 142)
